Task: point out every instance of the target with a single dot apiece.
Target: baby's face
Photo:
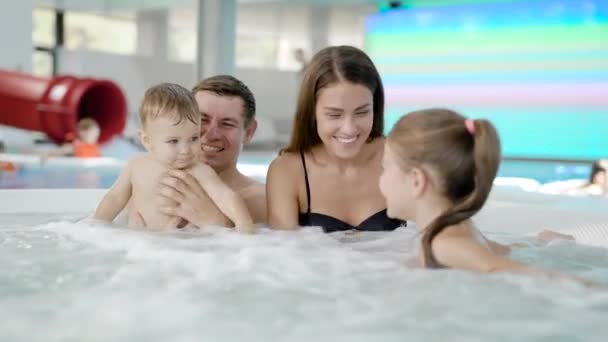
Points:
(175, 145)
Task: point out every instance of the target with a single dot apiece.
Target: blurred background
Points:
(537, 68)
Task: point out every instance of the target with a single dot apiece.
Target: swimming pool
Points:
(64, 281)
(71, 173)
(62, 173)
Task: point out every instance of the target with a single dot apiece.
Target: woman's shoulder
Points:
(286, 164)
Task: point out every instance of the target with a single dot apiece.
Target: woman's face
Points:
(344, 115)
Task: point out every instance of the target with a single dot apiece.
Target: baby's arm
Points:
(227, 200)
(116, 198)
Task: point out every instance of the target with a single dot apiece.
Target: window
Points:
(43, 32)
(182, 35)
(42, 63)
(116, 34)
(44, 38)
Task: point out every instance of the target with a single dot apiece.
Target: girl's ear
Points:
(420, 181)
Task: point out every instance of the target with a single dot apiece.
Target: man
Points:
(228, 122)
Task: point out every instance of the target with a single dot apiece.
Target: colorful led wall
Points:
(538, 69)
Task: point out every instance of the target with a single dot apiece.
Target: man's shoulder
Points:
(252, 188)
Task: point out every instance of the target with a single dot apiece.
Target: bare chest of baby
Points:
(145, 181)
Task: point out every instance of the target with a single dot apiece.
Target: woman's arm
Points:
(282, 193)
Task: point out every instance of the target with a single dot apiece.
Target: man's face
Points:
(223, 130)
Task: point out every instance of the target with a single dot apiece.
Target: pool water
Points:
(34, 175)
(64, 280)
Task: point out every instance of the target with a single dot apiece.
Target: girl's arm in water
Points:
(467, 253)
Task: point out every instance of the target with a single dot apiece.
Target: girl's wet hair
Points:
(465, 159)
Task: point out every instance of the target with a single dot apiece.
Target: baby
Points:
(170, 133)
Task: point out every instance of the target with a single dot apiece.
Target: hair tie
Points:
(470, 125)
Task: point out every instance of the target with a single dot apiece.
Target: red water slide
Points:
(55, 105)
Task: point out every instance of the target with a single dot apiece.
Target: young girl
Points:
(438, 171)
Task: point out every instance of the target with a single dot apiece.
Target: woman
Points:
(328, 174)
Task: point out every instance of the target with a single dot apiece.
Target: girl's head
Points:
(438, 152)
(341, 103)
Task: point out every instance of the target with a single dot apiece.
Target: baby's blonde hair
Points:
(167, 98)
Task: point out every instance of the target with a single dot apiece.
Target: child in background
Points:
(170, 133)
(591, 234)
(6, 165)
(84, 146)
(438, 171)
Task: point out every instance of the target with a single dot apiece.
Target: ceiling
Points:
(119, 5)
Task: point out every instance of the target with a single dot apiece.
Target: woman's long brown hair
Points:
(329, 66)
(466, 162)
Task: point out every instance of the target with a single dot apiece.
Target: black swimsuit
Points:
(377, 222)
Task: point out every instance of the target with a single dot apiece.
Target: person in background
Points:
(6, 165)
(85, 145)
(598, 179)
(300, 57)
(592, 234)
